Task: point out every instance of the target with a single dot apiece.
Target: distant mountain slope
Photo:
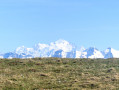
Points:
(61, 49)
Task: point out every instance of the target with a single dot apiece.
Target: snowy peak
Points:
(82, 49)
(62, 49)
(108, 50)
(20, 49)
(93, 52)
(111, 53)
(91, 49)
(40, 46)
(24, 50)
(61, 45)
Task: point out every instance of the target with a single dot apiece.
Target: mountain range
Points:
(60, 49)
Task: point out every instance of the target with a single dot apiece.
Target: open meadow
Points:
(59, 74)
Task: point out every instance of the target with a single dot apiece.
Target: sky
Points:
(82, 22)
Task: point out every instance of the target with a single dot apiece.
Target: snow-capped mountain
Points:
(93, 53)
(61, 49)
(23, 50)
(90, 53)
(111, 53)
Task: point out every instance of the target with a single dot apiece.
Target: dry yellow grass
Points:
(59, 74)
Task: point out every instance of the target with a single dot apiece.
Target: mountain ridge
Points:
(60, 49)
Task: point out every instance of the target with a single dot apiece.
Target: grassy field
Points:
(59, 74)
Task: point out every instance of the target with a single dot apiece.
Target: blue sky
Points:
(82, 22)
